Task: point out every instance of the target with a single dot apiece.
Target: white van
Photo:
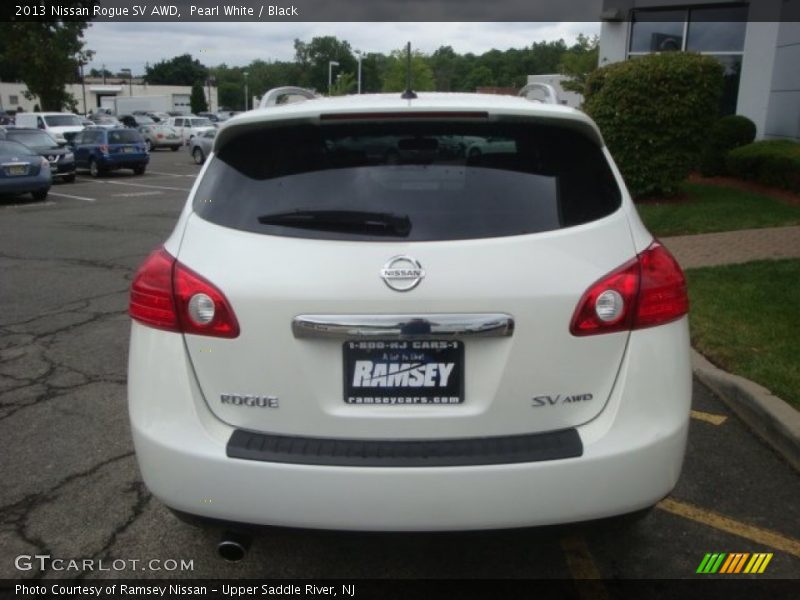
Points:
(54, 123)
(190, 126)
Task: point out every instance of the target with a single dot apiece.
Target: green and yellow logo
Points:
(734, 562)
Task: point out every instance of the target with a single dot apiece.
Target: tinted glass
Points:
(144, 120)
(730, 89)
(198, 123)
(62, 121)
(717, 29)
(451, 181)
(32, 138)
(124, 136)
(657, 30)
(8, 148)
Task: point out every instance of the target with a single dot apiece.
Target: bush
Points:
(654, 113)
(727, 133)
(771, 162)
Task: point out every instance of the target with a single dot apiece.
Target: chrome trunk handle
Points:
(403, 326)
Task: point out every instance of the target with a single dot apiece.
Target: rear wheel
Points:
(198, 156)
(138, 170)
(40, 194)
(94, 168)
(174, 148)
(70, 178)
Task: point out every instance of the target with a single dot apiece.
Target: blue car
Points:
(23, 171)
(102, 150)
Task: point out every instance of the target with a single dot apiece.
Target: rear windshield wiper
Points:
(345, 221)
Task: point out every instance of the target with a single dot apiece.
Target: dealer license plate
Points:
(403, 372)
(128, 149)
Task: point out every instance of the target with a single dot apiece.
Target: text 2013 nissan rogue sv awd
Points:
(357, 324)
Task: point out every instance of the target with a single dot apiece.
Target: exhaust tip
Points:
(233, 547)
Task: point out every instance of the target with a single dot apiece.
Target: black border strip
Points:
(405, 453)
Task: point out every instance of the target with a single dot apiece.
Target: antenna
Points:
(409, 93)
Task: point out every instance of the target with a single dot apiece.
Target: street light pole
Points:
(331, 64)
(358, 53)
(245, 90)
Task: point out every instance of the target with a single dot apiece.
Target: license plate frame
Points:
(405, 379)
(17, 170)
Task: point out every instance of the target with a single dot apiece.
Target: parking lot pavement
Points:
(71, 487)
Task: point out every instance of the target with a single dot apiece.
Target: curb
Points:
(771, 418)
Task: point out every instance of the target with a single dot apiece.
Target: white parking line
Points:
(144, 185)
(60, 195)
(137, 194)
(149, 172)
(30, 205)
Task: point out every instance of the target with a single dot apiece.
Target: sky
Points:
(132, 45)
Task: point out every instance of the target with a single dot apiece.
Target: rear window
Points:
(124, 137)
(413, 181)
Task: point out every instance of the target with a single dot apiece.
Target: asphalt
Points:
(71, 487)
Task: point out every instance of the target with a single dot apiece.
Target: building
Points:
(757, 42)
(98, 93)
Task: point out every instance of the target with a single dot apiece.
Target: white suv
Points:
(189, 127)
(356, 326)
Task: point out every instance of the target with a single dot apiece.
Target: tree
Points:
(180, 70)
(198, 98)
(579, 62)
(313, 59)
(394, 79)
(344, 84)
(51, 52)
(100, 73)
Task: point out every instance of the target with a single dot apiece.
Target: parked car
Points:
(160, 136)
(188, 127)
(57, 124)
(22, 171)
(61, 160)
(210, 116)
(101, 150)
(201, 145)
(104, 120)
(6, 118)
(135, 121)
(327, 341)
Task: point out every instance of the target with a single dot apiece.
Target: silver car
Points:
(160, 136)
(201, 145)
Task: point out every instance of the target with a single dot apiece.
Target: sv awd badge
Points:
(538, 401)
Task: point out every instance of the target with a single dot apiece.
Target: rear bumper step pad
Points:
(405, 453)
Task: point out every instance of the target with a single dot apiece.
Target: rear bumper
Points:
(632, 457)
(23, 185)
(123, 161)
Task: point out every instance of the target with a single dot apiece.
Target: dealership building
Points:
(95, 93)
(758, 43)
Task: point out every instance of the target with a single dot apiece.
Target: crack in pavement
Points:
(17, 513)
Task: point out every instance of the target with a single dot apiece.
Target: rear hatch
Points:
(126, 143)
(319, 235)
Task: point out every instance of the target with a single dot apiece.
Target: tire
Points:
(40, 194)
(70, 178)
(198, 156)
(94, 168)
(138, 170)
(174, 148)
(149, 145)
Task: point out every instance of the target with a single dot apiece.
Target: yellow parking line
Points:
(765, 537)
(582, 567)
(708, 417)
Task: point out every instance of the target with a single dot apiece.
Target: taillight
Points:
(646, 291)
(167, 295)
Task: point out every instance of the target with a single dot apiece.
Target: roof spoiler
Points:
(273, 97)
(551, 97)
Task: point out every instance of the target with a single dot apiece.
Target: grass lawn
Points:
(711, 208)
(746, 319)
